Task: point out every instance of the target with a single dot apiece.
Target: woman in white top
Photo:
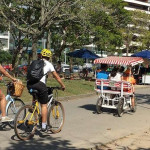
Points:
(115, 75)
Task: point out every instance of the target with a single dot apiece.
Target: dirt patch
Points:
(138, 141)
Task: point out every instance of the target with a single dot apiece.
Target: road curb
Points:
(74, 97)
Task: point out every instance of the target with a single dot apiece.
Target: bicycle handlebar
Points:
(55, 87)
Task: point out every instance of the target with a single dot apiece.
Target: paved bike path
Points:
(84, 128)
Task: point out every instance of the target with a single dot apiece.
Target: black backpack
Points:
(35, 71)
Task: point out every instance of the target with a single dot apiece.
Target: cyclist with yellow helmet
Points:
(41, 85)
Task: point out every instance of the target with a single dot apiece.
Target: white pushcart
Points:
(120, 97)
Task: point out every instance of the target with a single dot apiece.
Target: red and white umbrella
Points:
(128, 61)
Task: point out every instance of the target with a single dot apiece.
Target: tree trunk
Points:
(127, 48)
(71, 62)
(48, 42)
(16, 51)
(34, 48)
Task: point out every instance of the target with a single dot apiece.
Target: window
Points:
(4, 43)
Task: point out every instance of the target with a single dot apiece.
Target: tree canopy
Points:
(66, 23)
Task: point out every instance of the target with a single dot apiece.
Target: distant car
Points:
(23, 67)
(75, 69)
(7, 67)
(87, 65)
(64, 67)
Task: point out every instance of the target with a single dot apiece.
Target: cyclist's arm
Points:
(58, 79)
(3, 71)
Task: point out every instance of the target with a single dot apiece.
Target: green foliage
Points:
(5, 57)
(71, 23)
(105, 19)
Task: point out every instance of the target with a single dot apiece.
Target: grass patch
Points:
(73, 87)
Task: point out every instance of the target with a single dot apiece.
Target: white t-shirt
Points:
(48, 67)
(116, 78)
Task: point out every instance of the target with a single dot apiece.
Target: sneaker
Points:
(44, 129)
(6, 119)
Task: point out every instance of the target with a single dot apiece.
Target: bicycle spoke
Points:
(13, 108)
(25, 125)
(56, 117)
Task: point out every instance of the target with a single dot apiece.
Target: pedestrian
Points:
(58, 67)
(39, 56)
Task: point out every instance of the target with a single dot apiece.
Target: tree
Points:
(35, 18)
(106, 18)
(6, 57)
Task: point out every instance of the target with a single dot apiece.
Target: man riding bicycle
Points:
(41, 85)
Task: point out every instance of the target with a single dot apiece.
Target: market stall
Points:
(145, 54)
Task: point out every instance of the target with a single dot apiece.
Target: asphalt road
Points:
(83, 128)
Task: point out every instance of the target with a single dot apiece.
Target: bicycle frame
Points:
(9, 99)
(36, 108)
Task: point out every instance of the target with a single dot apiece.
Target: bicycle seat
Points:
(32, 91)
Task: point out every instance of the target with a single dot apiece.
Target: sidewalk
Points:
(138, 141)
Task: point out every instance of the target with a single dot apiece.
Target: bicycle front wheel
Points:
(25, 122)
(13, 108)
(56, 117)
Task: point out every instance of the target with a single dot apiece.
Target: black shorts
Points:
(42, 89)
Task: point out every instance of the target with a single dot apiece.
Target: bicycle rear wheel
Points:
(13, 108)
(25, 122)
(56, 117)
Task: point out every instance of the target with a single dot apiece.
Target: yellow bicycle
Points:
(28, 118)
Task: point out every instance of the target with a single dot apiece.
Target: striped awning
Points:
(128, 61)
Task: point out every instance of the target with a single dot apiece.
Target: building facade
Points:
(5, 40)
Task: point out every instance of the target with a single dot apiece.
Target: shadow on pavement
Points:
(90, 107)
(143, 99)
(45, 142)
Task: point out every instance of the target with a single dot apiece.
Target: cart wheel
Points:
(120, 110)
(99, 105)
(135, 105)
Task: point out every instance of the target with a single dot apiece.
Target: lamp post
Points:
(65, 55)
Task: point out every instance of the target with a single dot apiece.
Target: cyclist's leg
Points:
(44, 115)
(42, 98)
(3, 108)
(3, 104)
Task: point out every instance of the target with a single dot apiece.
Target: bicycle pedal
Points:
(30, 110)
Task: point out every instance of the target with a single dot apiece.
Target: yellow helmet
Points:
(46, 53)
